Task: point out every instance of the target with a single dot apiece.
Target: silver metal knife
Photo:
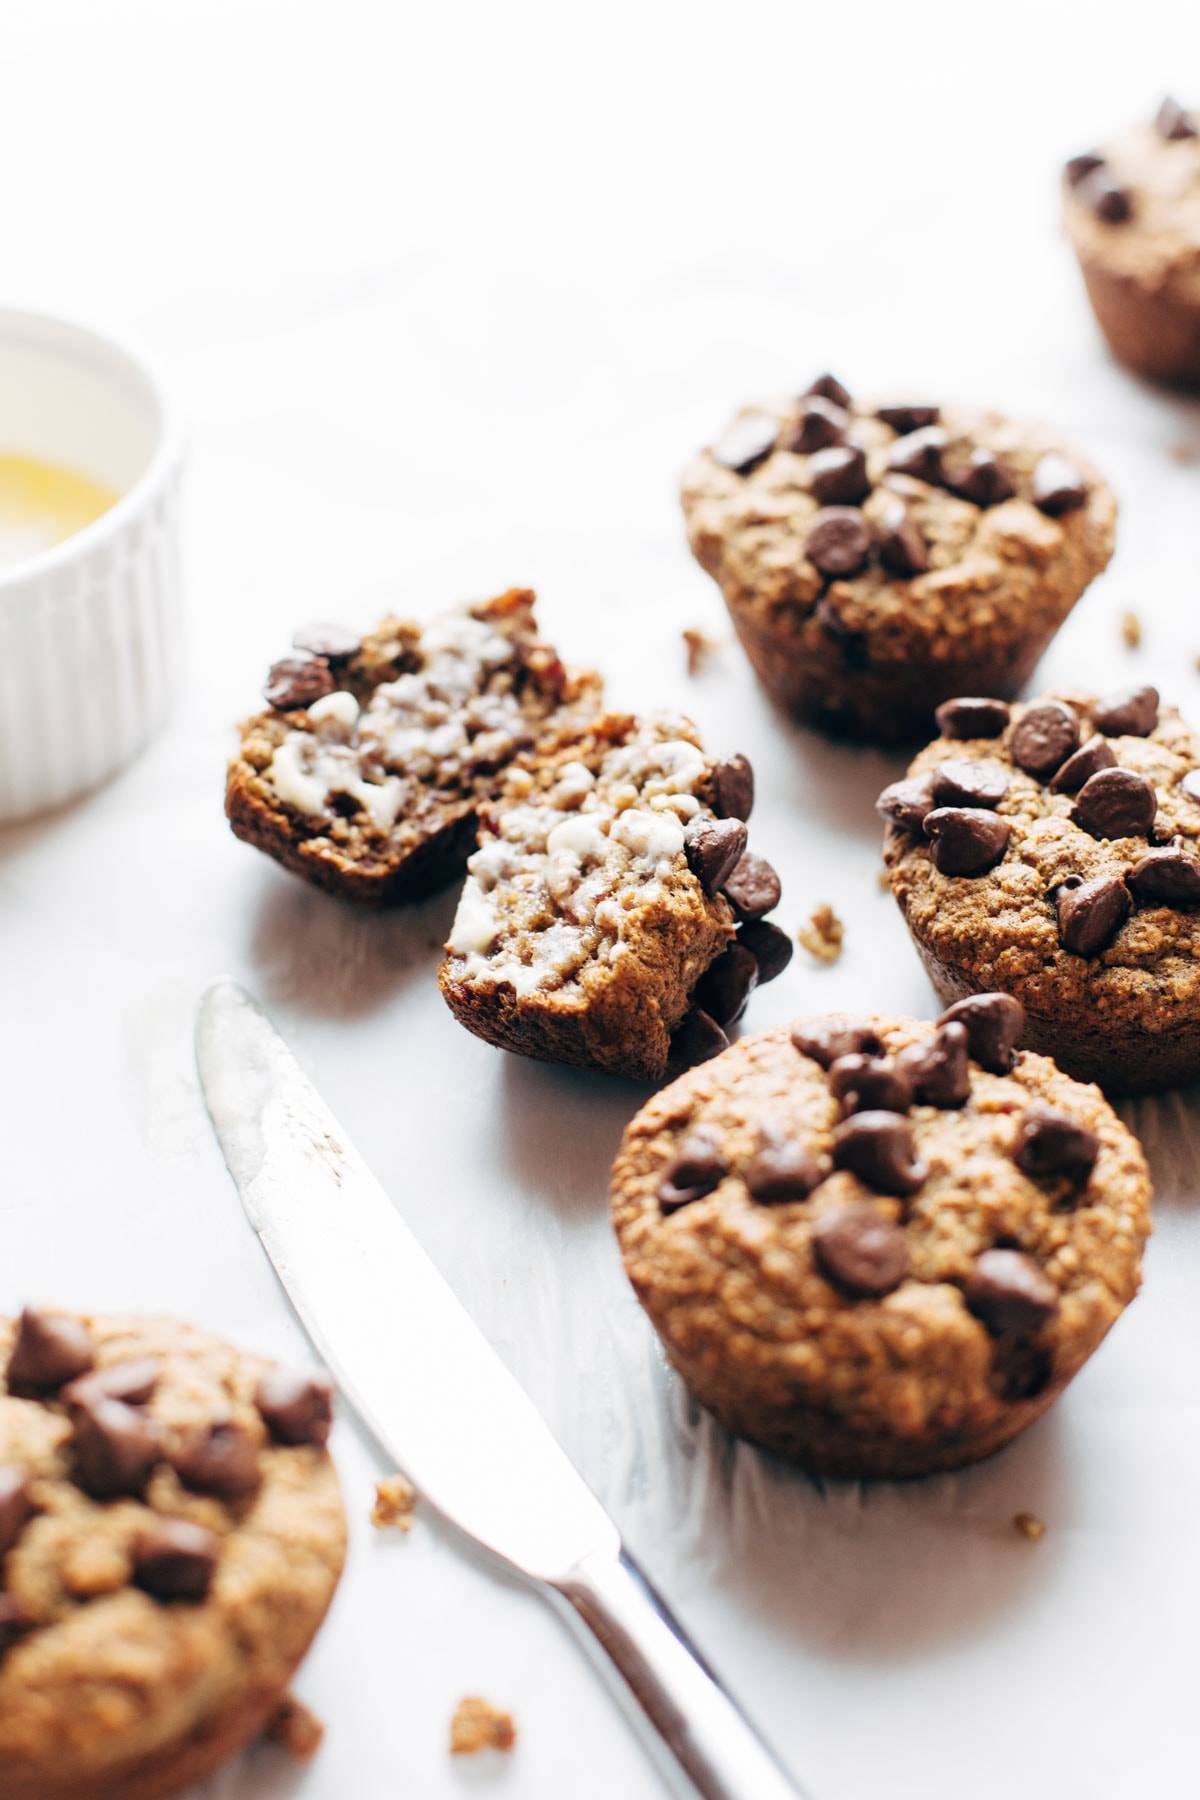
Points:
(465, 1434)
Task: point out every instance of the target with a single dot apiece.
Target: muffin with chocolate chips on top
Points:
(877, 559)
(881, 1247)
(1052, 849)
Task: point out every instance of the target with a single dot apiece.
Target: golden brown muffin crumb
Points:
(395, 1503)
(1131, 630)
(698, 647)
(296, 1729)
(823, 934)
(478, 1725)
(1029, 1526)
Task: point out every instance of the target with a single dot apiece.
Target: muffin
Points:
(881, 1247)
(1132, 214)
(878, 559)
(171, 1534)
(1052, 849)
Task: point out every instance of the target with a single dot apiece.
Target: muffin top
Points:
(913, 1224)
(170, 1531)
(1135, 204)
(888, 519)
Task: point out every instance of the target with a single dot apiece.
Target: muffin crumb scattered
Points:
(1131, 630)
(1029, 1526)
(395, 1502)
(296, 1729)
(1186, 452)
(885, 881)
(698, 647)
(478, 1725)
(823, 934)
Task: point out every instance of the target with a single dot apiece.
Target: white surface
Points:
(450, 295)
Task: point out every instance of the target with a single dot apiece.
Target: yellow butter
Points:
(42, 503)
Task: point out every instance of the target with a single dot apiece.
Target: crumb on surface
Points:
(1186, 452)
(478, 1725)
(1029, 1526)
(1131, 630)
(295, 1729)
(395, 1501)
(885, 881)
(698, 647)
(823, 934)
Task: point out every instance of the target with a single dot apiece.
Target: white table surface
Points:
(449, 295)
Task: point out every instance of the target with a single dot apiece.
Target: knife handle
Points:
(705, 1744)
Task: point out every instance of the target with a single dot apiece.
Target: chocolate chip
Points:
(1087, 761)
(961, 782)
(1058, 487)
(726, 985)
(902, 547)
(1021, 1370)
(869, 1084)
(995, 1025)
(696, 1171)
(335, 643)
(820, 424)
(939, 1071)
(966, 841)
(1190, 783)
(980, 478)
(782, 1170)
(770, 947)
(133, 1382)
(16, 1506)
(221, 1459)
(1131, 712)
(830, 388)
(733, 787)
(175, 1560)
(296, 1408)
(907, 803)
(1009, 1292)
(747, 442)
(1106, 197)
(860, 1251)
(697, 1038)
(968, 716)
(1167, 877)
(753, 888)
(1083, 164)
(115, 1448)
(838, 542)
(919, 454)
(1173, 121)
(714, 847)
(1051, 1143)
(852, 644)
(298, 681)
(1043, 737)
(1090, 913)
(838, 477)
(1116, 803)
(50, 1348)
(15, 1621)
(904, 419)
(880, 1149)
(827, 1039)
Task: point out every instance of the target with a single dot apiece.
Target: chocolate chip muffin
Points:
(171, 1534)
(366, 773)
(613, 917)
(881, 1247)
(1052, 849)
(878, 559)
(1132, 213)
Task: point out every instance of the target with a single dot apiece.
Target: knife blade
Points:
(441, 1404)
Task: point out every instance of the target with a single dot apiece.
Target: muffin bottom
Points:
(1151, 333)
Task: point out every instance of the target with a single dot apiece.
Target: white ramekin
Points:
(91, 630)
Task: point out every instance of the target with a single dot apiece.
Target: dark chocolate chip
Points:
(1173, 121)
(838, 477)
(919, 454)
(820, 424)
(15, 1621)
(220, 1459)
(726, 985)
(1167, 877)
(1058, 487)
(335, 643)
(939, 1071)
(782, 1170)
(960, 782)
(860, 1251)
(978, 477)
(1043, 738)
(115, 1448)
(827, 1039)
(838, 541)
(747, 442)
(904, 419)
(907, 803)
(1051, 1143)
(175, 1560)
(1106, 197)
(296, 1408)
(869, 1084)
(995, 1025)
(966, 841)
(1083, 164)
(902, 547)
(50, 1348)
(714, 847)
(971, 716)
(133, 1382)
(697, 1169)
(697, 1038)
(733, 787)
(1087, 761)
(852, 644)
(830, 388)
(1021, 1369)
(297, 681)
(1009, 1292)
(1116, 803)
(16, 1506)
(753, 888)
(1090, 913)
(879, 1147)
(1131, 712)
(770, 947)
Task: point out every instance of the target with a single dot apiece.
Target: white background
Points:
(449, 294)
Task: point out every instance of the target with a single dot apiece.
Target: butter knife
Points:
(462, 1430)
